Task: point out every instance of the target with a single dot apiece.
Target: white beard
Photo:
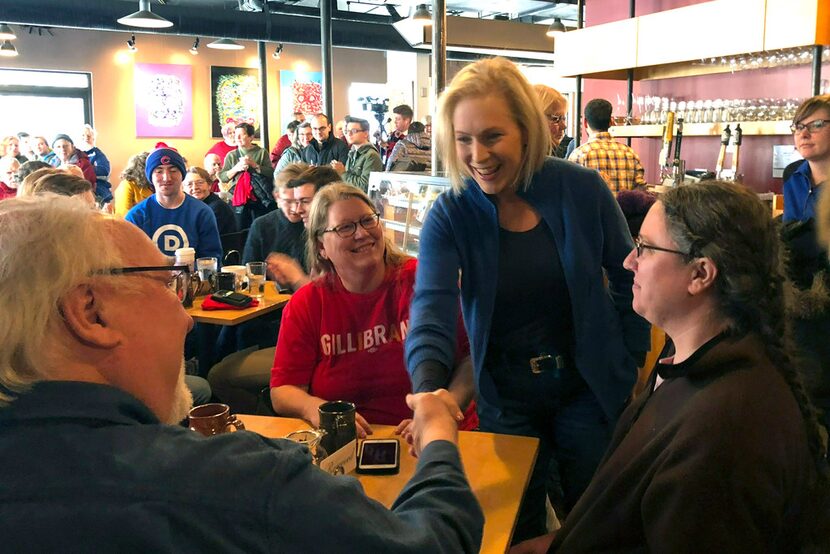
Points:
(182, 400)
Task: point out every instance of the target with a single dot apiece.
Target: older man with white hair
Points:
(91, 345)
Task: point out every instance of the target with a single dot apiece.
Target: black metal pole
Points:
(580, 11)
(817, 52)
(263, 88)
(325, 44)
(439, 65)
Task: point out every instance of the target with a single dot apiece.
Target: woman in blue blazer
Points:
(538, 244)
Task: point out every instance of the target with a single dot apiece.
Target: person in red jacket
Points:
(227, 144)
(67, 154)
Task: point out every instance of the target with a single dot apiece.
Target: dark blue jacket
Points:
(592, 238)
(800, 196)
(88, 468)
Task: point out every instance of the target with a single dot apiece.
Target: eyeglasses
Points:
(354, 131)
(555, 118)
(813, 126)
(295, 203)
(639, 245)
(179, 280)
(346, 230)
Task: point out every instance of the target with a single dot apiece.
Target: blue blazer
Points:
(461, 232)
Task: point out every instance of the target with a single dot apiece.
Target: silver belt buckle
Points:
(535, 363)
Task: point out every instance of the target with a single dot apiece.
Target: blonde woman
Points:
(555, 350)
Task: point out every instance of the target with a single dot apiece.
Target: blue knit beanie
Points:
(164, 156)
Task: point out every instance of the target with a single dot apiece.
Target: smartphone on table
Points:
(232, 298)
(379, 456)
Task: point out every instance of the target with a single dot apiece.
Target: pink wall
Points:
(701, 152)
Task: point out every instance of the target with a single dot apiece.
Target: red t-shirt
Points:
(6, 191)
(348, 346)
(221, 149)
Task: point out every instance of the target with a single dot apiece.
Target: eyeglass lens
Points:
(348, 229)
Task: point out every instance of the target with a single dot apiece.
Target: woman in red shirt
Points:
(341, 336)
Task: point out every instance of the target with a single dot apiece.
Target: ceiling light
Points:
(6, 32)
(422, 15)
(225, 44)
(556, 28)
(195, 48)
(7, 50)
(277, 52)
(131, 44)
(144, 18)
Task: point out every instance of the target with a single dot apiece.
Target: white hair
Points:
(48, 245)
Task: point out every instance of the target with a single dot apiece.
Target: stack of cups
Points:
(186, 256)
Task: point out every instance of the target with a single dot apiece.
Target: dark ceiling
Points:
(356, 23)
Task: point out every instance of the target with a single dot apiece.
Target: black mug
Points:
(337, 420)
(225, 280)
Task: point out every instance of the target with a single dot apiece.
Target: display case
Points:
(403, 200)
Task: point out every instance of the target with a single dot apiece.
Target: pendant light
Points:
(7, 50)
(556, 28)
(6, 32)
(225, 44)
(145, 18)
(422, 15)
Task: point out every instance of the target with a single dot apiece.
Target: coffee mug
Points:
(213, 419)
(241, 273)
(225, 281)
(337, 420)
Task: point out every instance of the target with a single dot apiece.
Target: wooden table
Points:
(270, 302)
(498, 468)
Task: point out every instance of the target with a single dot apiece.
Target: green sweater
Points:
(258, 154)
(359, 164)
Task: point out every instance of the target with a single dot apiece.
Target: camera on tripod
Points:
(376, 105)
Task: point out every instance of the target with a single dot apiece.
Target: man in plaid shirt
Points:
(618, 164)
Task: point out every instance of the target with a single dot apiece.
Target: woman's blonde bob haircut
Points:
(494, 77)
(551, 98)
(318, 221)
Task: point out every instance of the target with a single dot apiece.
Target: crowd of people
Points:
(527, 312)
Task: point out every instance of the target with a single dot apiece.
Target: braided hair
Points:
(702, 220)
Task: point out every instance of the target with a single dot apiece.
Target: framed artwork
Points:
(300, 91)
(163, 100)
(234, 97)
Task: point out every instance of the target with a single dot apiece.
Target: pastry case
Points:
(403, 200)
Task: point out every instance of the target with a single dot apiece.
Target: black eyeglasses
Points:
(639, 245)
(346, 230)
(813, 126)
(555, 118)
(179, 276)
(354, 131)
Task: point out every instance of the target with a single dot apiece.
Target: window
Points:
(44, 102)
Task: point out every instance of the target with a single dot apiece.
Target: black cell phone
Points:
(379, 456)
(232, 298)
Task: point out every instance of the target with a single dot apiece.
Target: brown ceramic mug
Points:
(213, 419)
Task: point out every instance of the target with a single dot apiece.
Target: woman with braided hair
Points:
(722, 452)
